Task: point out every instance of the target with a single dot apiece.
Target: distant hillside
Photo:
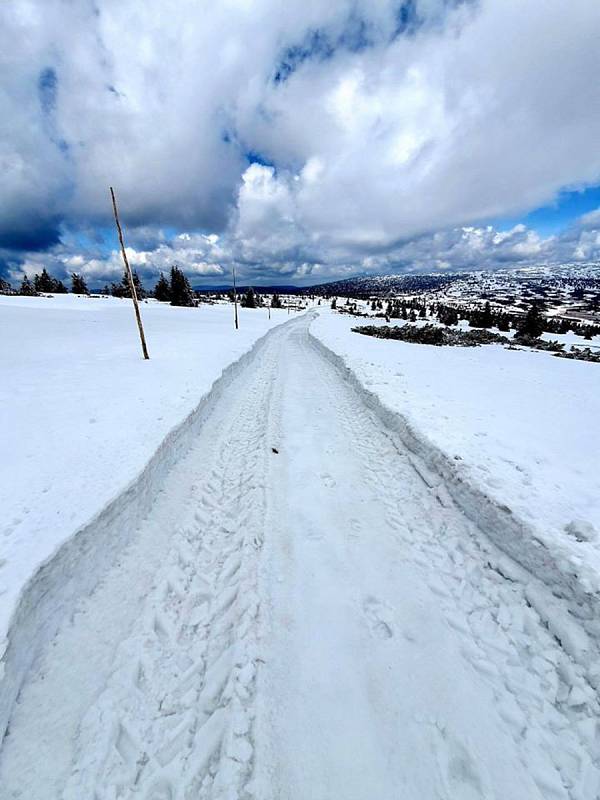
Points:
(244, 287)
(383, 284)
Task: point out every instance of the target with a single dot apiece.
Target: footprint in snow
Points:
(327, 479)
(379, 617)
(457, 767)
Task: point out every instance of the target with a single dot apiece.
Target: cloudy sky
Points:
(301, 141)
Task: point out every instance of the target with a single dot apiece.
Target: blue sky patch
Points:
(555, 217)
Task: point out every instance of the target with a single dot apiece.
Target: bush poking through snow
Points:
(432, 334)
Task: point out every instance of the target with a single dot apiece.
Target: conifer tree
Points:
(58, 287)
(249, 299)
(78, 284)
(276, 301)
(503, 322)
(44, 282)
(162, 290)
(139, 289)
(181, 291)
(27, 288)
(486, 318)
(122, 289)
(447, 315)
(532, 324)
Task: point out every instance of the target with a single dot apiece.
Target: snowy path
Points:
(321, 622)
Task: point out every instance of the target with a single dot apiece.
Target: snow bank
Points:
(85, 418)
(517, 428)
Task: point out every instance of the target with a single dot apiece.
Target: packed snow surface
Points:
(82, 412)
(522, 425)
(301, 609)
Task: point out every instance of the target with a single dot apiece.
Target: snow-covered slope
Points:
(83, 413)
(520, 426)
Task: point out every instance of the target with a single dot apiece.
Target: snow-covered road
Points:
(305, 613)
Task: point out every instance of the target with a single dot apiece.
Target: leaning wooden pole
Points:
(235, 301)
(129, 274)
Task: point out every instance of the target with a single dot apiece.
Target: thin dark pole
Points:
(129, 274)
(235, 301)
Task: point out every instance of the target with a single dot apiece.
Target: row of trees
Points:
(175, 289)
(251, 299)
(43, 282)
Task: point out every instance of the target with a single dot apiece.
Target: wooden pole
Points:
(235, 301)
(130, 278)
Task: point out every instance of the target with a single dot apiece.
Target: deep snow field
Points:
(292, 562)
